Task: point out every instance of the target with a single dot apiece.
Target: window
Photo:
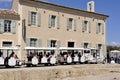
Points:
(99, 27)
(71, 44)
(33, 42)
(86, 26)
(70, 24)
(86, 45)
(53, 21)
(7, 26)
(53, 43)
(33, 18)
(7, 44)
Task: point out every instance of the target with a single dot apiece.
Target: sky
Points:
(107, 7)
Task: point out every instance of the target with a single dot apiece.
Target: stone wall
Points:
(57, 72)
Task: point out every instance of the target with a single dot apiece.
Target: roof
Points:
(94, 13)
(9, 14)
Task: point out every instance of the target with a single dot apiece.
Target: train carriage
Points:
(40, 55)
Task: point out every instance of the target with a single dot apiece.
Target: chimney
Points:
(91, 6)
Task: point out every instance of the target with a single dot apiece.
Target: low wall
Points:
(57, 72)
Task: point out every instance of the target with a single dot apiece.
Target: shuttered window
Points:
(34, 18)
(8, 26)
(53, 21)
(71, 24)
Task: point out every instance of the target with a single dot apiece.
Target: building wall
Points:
(45, 33)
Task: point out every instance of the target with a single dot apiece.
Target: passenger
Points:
(1, 58)
(35, 59)
(69, 59)
(12, 59)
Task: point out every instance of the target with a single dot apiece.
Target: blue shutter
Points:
(38, 19)
(1, 26)
(13, 26)
(75, 23)
(68, 26)
(89, 27)
(83, 28)
(103, 28)
(97, 29)
(28, 42)
(49, 21)
(58, 22)
(29, 18)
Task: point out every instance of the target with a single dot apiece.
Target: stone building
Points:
(44, 25)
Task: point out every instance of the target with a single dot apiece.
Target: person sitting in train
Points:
(44, 58)
(65, 56)
(79, 55)
(53, 60)
(35, 59)
(1, 58)
(12, 59)
(69, 59)
(76, 58)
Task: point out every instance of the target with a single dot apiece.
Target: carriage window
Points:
(86, 51)
(7, 44)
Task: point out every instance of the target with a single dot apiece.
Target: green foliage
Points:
(109, 48)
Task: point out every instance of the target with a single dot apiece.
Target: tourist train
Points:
(47, 56)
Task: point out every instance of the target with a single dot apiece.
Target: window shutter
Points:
(48, 43)
(83, 29)
(89, 27)
(90, 45)
(38, 19)
(75, 25)
(68, 26)
(49, 21)
(82, 44)
(97, 28)
(96, 46)
(1, 26)
(13, 26)
(58, 44)
(39, 43)
(28, 42)
(103, 28)
(29, 18)
(58, 22)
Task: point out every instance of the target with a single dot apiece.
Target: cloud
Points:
(114, 43)
(5, 0)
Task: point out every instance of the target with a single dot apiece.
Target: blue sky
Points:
(108, 7)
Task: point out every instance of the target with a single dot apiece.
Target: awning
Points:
(68, 48)
(8, 48)
(115, 51)
(40, 48)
